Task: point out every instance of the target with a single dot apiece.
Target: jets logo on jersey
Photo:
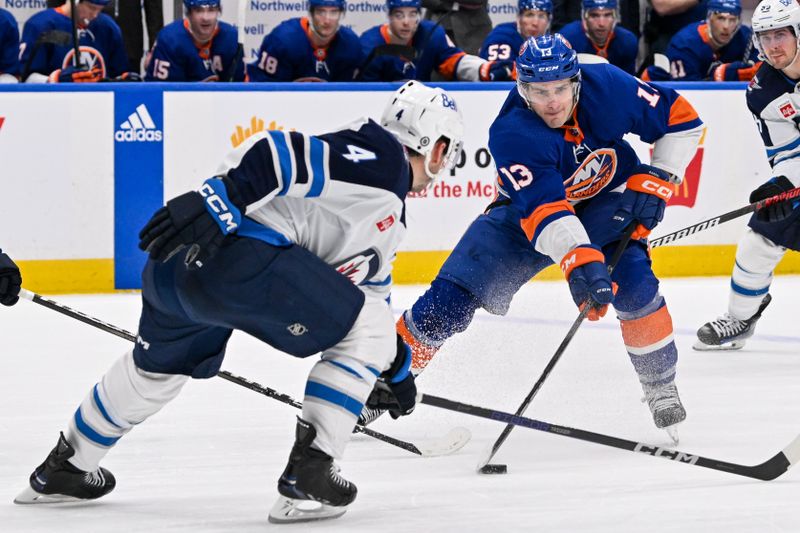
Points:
(138, 128)
(596, 171)
(361, 267)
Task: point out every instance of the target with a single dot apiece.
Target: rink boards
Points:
(83, 169)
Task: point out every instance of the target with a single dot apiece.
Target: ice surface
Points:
(209, 461)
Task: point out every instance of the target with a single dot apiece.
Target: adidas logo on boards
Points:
(138, 128)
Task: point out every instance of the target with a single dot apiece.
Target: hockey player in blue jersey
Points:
(46, 49)
(292, 242)
(10, 280)
(423, 47)
(717, 49)
(198, 48)
(568, 186)
(505, 40)
(774, 101)
(312, 48)
(9, 48)
(599, 34)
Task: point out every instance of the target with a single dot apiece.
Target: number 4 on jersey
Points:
(357, 154)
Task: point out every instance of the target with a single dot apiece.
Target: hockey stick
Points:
(451, 442)
(586, 307)
(770, 469)
(241, 14)
(76, 48)
(721, 219)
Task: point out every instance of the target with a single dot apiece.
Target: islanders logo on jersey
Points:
(90, 57)
(594, 173)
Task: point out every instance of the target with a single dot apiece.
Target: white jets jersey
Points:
(339, 195)
(775, 103)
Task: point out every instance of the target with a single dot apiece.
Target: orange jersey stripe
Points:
(681, 112)
(647, 330)
(532, 222)
(448, 66)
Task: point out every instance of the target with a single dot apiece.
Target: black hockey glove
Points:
(395, 390)
(199, 220)
(10, 280)
(779, 210)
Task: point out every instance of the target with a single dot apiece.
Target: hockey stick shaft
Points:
(585, 308)
(76, 48)
(721, 219)
(224, 374)
(766, 471)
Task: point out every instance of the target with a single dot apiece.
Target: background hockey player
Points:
(198, 48)
(427, 49)
(569, 185)
(717, 49)
(598, 33)
(10, 280)
(505, 40)
(312, 48)
(46, 50)
(773, 100)
(9, 48)
(261, 249)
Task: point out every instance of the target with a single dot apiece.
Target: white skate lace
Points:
(728, 326)
(339, 480)
(94, 479)
(663, 398)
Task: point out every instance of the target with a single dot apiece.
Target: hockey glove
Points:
(496, 71)
(734, 71)
(779, 210)
(10, 280)
(589, 282)
(71, 74)
(395, 390)
(199, 220)
(646, 195)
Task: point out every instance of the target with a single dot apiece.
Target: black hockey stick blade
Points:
(770, 469)
(224, 374)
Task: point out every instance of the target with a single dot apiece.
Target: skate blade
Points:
(289, 510)
(700, 346)
(672, 431)
(29, 496)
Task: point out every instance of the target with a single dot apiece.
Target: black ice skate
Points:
(310, 476)
(727, 332)
(57, 481)
(666, 407)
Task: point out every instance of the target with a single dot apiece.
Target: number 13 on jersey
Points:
(518, 176)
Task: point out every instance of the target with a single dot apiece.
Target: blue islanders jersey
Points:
(548, 173)
(503, 42)
(9, 44)
(620, 48)
(287, 54)
(691, 56)
(434, 51)
(176, 56)
(100, 44)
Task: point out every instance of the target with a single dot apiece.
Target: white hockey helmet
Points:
(419, 115)
(774, 14)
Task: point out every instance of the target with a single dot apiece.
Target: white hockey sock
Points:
(124, 397)
(756, 258)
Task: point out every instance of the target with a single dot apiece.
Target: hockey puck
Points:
(494, 469)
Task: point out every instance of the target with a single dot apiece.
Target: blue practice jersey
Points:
(176, 56)
(547, 172)
(691, 56)
(434, 51)
(503, 42)
(287, 54)
(9, 44)
(100, 44)
(620, 48)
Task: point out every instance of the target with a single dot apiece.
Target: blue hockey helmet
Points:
(536, 5)
(191, 4)
(98, 2)
(548, 57)
(586, 5)
(397, 4)
(339, 4)
(733, 7)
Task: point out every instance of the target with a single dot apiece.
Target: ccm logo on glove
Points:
(655, 187)
(226, 220)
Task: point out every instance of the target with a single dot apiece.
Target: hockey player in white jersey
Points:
(292, 243)
(774, 101)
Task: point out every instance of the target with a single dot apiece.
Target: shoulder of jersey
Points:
(46, 17)
(104, 20)
(373, 34)
(573, 28)
(626, 35)
(173, 30)
(348, 37)
(7, 17)
(687, 34)
(767, 85)
(288, 27)
(226, 29)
